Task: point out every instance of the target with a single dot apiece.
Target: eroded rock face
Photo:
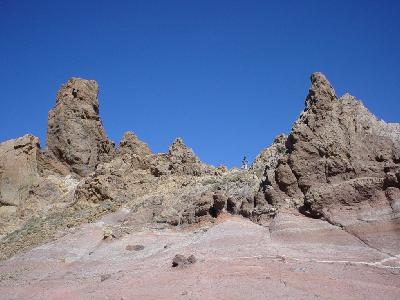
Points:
(180, 160)
(75, 134)
(338, 155)
(269, 157)
(31, 183)
(132, 145)
(338, 163)
(18, 169)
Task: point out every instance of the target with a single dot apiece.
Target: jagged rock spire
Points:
(179, 151)
(320, 91)
(130, 143)
(75, 134)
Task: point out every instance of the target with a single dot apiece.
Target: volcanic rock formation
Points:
(338, 163)
(75, 134)
(341, 163)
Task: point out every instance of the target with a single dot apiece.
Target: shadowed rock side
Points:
(338, 163)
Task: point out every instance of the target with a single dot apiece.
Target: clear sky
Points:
(226, 76)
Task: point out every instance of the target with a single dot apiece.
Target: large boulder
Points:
(75, 133)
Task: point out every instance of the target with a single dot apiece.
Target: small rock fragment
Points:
(191, 259)
(105, 277)
(108, 234)
(134, 247)
(180, 260)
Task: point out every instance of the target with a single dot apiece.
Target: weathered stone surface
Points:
(337, 154)
(327, 195)
(18, 169)
(295, 258)
(7, 211)
(269, 157)
(134, 247)
(320, 91)
(132, 145)
(182, 261)
(180, 160)
(32, 183)
(75, 134)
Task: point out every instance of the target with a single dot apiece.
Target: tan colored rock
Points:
(75, 133)
(18, 169)
(132, 145)
(179, 160)
(7, 211)
(31, 184)
(269, 157)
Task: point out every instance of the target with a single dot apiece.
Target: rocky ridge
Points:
(339, 163)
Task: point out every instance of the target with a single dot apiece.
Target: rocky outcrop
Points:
(269, 157)
(130, 144)
(180, 160)
(340, 161)
(75, 134)
(18, 169)
(31, 183)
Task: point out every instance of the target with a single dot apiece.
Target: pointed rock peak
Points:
(28, 140)
(178, 141)
(179, 149)
(280, 138)
(177, 146)
(347, 96)
(128, 137)
(130, 143)
(320, 91)
(78, 88)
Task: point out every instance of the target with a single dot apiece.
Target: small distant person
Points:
(244, 163)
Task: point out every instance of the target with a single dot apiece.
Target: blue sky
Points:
(226, 76)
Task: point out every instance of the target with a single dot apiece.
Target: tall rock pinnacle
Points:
(320, 91)
(75, 134)
(338, 154)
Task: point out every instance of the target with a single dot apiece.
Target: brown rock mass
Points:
(340, 161)
(75, 134)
